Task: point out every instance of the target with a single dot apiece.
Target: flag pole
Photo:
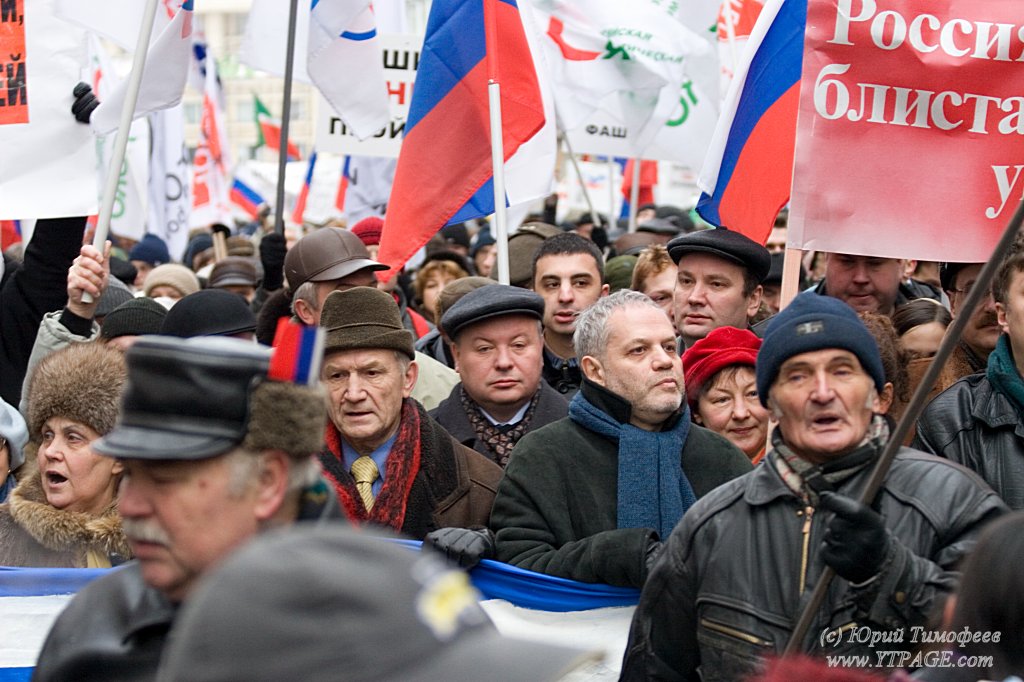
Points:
(583, 185)
(790, 277)
(634, 194)
(981, 289)
(286, 114)
(611, 187)
(497, 144)
(123, 131)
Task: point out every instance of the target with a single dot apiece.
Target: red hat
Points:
(723, 347)
(369, 229)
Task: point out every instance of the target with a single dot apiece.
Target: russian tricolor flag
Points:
(748, 172)
(246, 198)
(444, 172)
(300, 203)
(298, 353)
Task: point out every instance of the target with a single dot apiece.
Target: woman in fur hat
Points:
(63, 513)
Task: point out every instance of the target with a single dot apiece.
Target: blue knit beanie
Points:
(150, 249)
(814, 322)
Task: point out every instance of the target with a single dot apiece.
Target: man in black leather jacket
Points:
(735, 574)
(214, 452)
(977, 421)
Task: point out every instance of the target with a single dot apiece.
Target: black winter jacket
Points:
(37, 288)
(973, 424)
(726, 591)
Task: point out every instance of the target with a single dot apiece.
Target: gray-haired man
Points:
(591, 496)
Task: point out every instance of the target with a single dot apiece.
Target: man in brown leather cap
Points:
(329, 259)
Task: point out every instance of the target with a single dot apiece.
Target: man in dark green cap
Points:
(390, 464)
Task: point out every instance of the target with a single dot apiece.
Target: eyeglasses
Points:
(966, 291)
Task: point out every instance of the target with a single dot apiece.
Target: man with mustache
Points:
(735, 574)
(568, 273)
(976, 422)
(214, 452)
(590, 497)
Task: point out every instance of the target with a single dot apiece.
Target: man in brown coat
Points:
(390, 464)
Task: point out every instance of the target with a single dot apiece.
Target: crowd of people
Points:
(636, 409)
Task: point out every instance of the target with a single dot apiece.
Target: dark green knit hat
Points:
(364, 317)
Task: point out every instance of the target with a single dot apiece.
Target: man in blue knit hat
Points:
(736, 573)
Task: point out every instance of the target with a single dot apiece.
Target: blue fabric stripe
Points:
(309, 169)
(365, 35)
(774, 68)
(42, 582)
(307, 345)
(16, 674)
(455, 44)
(494, 579)
(479, 205)
(247, 192)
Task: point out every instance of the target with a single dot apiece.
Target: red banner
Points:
(13, 77)
(910, 138)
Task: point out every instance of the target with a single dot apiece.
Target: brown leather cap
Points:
(326, 254)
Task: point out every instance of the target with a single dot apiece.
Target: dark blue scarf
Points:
(653, 492)
(1003, 375)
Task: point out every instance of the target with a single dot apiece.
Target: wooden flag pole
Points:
(790, 277)
(910, 415)
(497, 143)
(286, 114)
(124, 129)
(634, 194)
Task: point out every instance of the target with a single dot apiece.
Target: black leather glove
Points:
(856, 541)
(463, 546)
(85, 102)
(653, 552)
(273, 249)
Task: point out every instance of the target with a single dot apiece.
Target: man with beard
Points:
(214, 452)
(591, 496)
(976, 422)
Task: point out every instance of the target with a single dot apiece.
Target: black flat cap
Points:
(491, 301)
(726, 244)
(186, 399)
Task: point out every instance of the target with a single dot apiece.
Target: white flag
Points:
(170, 200)
(49, 162)
(344, 61)
(211, 172)
(626, 59)
(128, 218)
(118, 20)
(163, 78)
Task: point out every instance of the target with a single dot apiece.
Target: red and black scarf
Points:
(400, 473)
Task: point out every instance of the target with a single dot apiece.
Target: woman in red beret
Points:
(722, 391)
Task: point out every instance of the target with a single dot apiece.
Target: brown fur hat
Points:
(82, 382)
(286, 417)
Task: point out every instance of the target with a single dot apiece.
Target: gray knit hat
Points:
(364, 317)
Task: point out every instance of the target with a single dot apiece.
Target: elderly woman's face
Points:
(75, 478)
(730, 407)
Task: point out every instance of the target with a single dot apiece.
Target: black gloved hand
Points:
(463, 546)
(85, 102)
(856, 540)
(273, 249)
(653, 552)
